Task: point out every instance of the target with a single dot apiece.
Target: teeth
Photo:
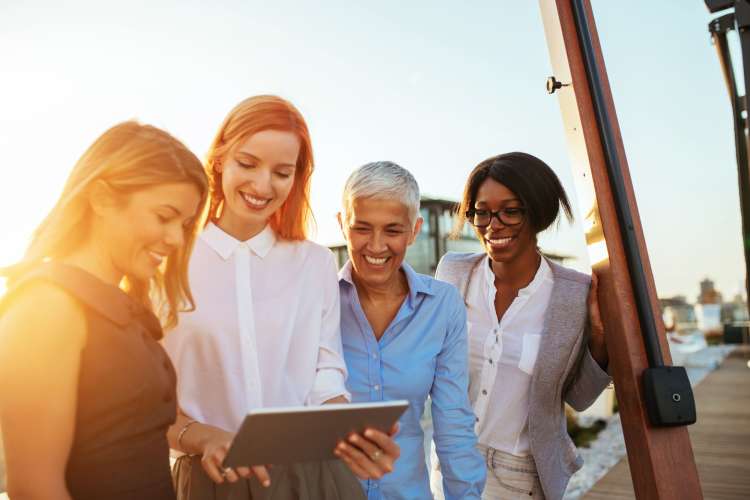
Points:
(257, 202)
(157, 256)
(500, 241)
(373, 260)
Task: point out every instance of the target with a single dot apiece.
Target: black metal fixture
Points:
(553, 84)
(719, 27)
(667, 392)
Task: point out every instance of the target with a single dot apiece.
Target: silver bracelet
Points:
(183, 431)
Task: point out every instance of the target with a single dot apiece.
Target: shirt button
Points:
(490, 360)
(484, 392)
(476, 418)
(374, 485)
(374, 356)
(376, 387)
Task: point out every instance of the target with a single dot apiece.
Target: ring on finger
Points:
(376, 455)
(225, 471)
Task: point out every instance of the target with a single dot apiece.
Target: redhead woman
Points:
(535, 337)
(266, 330)
(86, 391)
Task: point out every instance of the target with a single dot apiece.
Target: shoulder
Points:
(567, 275)
(311, 250)
(454, 267)
(42, 310)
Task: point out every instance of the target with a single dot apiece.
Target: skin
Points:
(263, 169)
(379, 229)
(515, 259)
(41, 353)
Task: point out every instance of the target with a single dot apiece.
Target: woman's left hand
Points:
(370, 455)
(597, 343)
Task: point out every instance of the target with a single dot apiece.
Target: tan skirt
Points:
(329, 480)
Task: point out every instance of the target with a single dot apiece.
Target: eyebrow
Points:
(482, 202)
(245, 153)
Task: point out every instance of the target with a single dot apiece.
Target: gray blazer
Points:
(566, 318)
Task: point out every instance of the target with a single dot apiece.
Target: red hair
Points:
(253, 115)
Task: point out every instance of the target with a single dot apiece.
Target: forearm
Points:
(25, 489)
(193, 438)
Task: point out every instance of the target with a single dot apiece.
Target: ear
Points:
(218, 166)
(102, 198)
(417, 228)
(340, 219)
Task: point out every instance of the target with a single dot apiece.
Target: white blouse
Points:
(502, 356)
(265, 331)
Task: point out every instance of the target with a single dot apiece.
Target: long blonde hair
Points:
(128, 157)
(256, 114)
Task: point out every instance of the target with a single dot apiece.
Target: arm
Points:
(330, 376)
(455, 441)
(39, 363)
(592, 378)
(212, 443)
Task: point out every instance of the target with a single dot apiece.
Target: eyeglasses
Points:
(511, 216)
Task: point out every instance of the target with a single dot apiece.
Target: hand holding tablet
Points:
(300, 434)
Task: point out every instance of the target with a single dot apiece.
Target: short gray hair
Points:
(383, 180)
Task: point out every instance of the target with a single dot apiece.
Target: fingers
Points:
(356, 469)
(357, 458)
(245, 472)
(384, 442)
(212, 467)
(262, 474)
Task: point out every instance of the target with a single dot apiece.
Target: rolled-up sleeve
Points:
(453, 419)
(330, 376)
(589, 383)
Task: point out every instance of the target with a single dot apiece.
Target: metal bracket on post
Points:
(719, 27)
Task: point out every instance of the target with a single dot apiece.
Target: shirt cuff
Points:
(329, 383)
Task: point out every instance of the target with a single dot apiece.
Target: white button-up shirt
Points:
(265, 332)
(502, 356)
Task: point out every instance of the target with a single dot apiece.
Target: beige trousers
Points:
(510, 477)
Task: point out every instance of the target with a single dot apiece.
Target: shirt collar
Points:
(416, 284)
(225, 244)
(543, 273)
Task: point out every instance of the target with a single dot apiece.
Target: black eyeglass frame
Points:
(469, 214)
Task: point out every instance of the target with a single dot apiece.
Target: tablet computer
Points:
(306, 433)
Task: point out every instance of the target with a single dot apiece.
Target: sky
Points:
(428, 84)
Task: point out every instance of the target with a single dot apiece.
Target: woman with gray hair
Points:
(404, 335)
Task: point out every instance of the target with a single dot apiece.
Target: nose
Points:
(376, 243)
(260, 180)
(495, 222)
(175, 236)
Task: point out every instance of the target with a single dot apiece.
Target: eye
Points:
(283, 175)
(162, 218)
(512, 211)
(245, 165)
(394, 232)
(481, 213)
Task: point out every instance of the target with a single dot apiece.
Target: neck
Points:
(93, 259)
(519, 272)
(238, 229)
(396, 287)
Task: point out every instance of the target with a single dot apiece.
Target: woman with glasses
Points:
(536, 339)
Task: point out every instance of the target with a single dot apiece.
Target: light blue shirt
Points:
(423, 352)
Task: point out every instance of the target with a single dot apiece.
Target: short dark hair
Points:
(532, 180)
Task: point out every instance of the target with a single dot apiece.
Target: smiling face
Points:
(256, 179)
(148, 227)
(501, 242)
(377, 233)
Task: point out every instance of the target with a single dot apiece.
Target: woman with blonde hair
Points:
(266, 332)
(86, 391)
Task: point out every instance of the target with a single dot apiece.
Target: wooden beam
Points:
(661, 459)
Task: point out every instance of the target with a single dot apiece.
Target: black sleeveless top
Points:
(126, 393)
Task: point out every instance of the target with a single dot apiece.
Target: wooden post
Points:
(661, 459)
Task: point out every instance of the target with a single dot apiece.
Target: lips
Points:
(376, 261)
(499, 243)
(255, 201)
(156, 257)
